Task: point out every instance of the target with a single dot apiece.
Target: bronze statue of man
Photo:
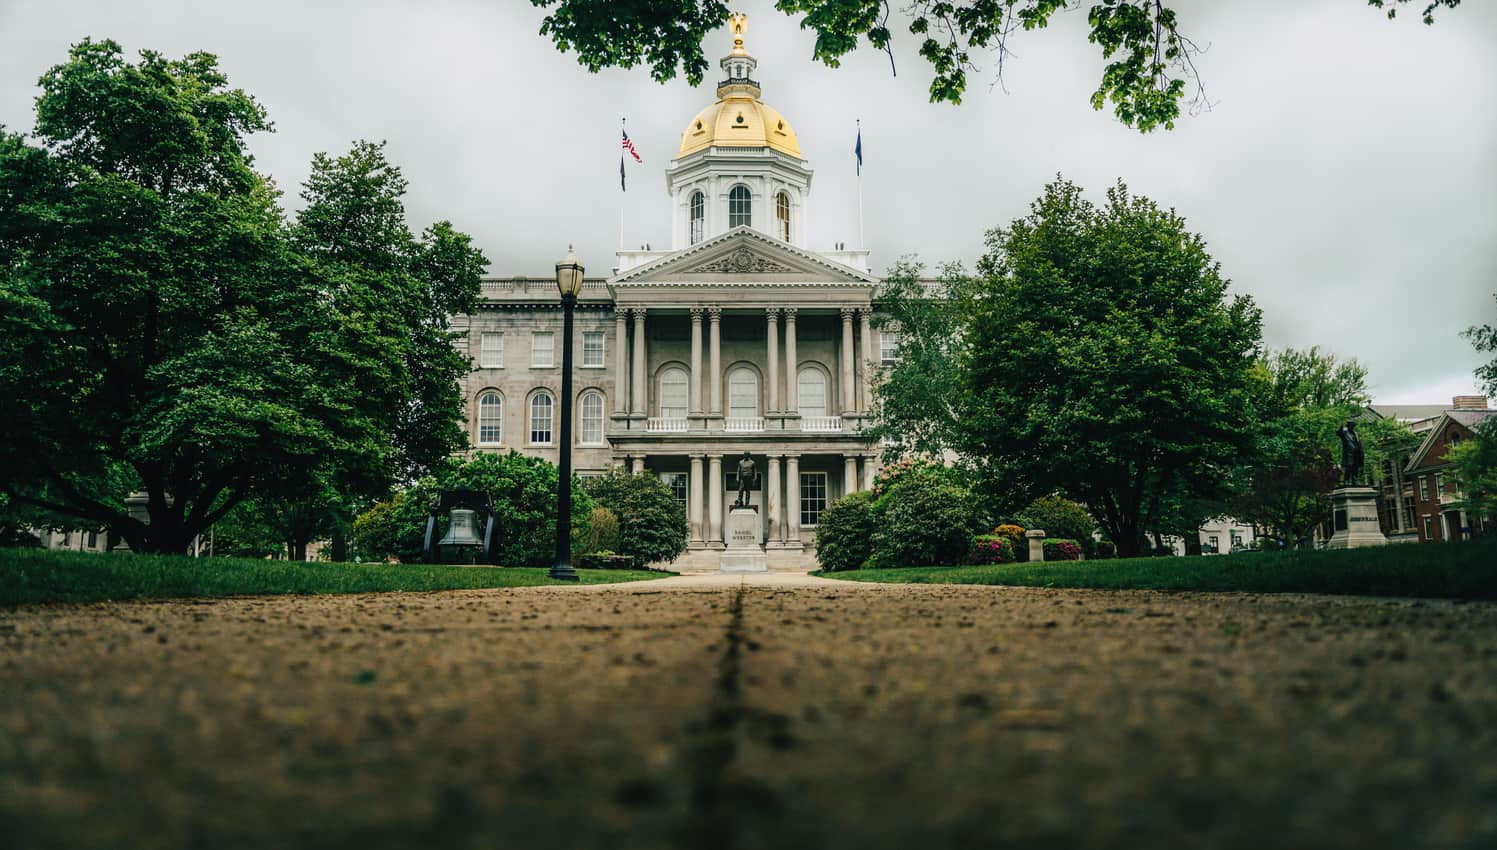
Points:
(1352, 456)
(745, 480)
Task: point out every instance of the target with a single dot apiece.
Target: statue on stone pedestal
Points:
(1352, 457)
(745, 480)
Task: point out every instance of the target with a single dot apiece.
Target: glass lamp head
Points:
(569, 274)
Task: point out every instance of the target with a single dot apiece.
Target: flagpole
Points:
(623, 190)
(861, 244)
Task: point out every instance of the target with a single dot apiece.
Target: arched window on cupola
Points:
(782, 215)
(740, 207)
(698, 207)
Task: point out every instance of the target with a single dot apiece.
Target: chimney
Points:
(1469, 402)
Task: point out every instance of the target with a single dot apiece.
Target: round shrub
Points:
(844, 537)
(603, 535)
(651, 523)
(991, 549)
(1106, 549)
(1062, 550)
(1017, 544)
(1061, 519)
(923, 519)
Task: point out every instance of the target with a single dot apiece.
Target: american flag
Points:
(629, 149)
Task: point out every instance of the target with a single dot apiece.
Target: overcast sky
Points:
(1346, 178)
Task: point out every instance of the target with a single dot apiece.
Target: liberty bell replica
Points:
(462, 542)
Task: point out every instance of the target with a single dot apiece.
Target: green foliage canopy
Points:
(1150, 62)
(651, 523)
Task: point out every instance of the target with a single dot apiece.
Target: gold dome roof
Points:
(739, 119)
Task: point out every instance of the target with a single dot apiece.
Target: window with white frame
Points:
(491, 351)
(1429, 529)
(740, 207)
(743, 393)
(673, 393)
(590, 408)
(679, 482)
(812, 498)
(490, 418)
(1424, 488)
(541, 406)
(811, 386)
(698, 217)
(1439, 484)
(782, 216)
(542, 349)
(888, 347)
(592, 349)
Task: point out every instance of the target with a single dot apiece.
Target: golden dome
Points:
(739, 120)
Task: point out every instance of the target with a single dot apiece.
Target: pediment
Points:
(744, 256)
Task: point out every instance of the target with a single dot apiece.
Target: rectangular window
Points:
(1424, 488)
(1213, 544)
(93, 539)
(1429, 529)
(1236, 539)
(491, 351)
(888, 347)
(812, 498)
(1439, 484)
(678, 482)
(592, 349)
(1408, 512)
(542, 350)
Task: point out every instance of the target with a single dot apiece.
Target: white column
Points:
(792, 388)
(694, 500)
(792, 501)
(638, 381)
(715, 361)
(696, 361)
(772, 501)
(865, 367)
(621, 360)
(715, 501)
(846, 361)
(772, 335)
(849, 474)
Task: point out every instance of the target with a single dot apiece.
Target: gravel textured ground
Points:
(707, 714)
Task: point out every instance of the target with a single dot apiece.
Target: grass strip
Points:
(1441, 571)
(39, 575)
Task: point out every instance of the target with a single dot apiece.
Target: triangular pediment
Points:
(744, 256)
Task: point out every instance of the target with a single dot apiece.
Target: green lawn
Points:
(36, 575)
(1450, 570)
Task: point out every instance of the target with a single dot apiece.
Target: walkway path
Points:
(767, 711)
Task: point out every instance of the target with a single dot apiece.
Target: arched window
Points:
(782, 215)
(698, 217)
(540, 418)
(673, 393)
(740, 207)
(812, 391)
(490, 419)
(591, 406)
(743, 393)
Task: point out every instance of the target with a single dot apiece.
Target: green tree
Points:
(1061, 518)
(844, 537)
(1476, 460)
(924, 518)
(1103, 360)
(1150, 66)
(652, 524)
(164, 332)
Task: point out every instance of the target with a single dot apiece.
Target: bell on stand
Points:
(464, 542)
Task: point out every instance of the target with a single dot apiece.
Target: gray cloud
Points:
(1345, 177)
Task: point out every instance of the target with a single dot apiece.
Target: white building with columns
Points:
(738, 338)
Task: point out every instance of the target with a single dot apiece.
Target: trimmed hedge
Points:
(844, 537)
(1061, 549)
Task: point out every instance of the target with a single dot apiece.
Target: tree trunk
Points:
(299, 550)
(1193, 544)
(340, 547)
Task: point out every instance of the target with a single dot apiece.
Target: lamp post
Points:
(569, 282)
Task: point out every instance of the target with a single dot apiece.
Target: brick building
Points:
(1432, 493)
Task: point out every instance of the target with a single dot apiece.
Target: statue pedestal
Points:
(744, 554)
(1354, 519)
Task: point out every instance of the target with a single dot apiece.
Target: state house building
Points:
(738, 338)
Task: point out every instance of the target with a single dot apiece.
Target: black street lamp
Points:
(569, 282)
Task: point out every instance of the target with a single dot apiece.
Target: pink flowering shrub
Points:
(1062, 550)
(991, 549)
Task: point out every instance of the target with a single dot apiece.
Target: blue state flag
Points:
(858, 151)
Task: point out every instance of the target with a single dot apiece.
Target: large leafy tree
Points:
(1476, 460)
(164, 332)
(1100, 358)
(1150, 68)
